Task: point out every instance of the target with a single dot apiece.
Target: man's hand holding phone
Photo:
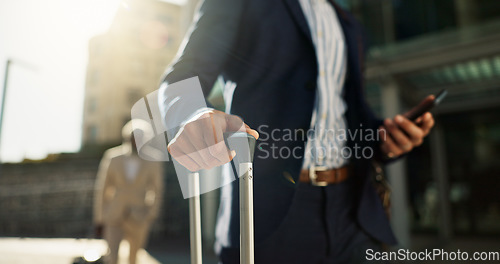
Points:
(401, 134)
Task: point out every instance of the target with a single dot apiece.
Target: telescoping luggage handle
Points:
(245, 169)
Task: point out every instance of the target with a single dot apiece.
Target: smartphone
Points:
(425, 106)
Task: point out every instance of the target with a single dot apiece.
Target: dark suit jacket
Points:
(265, 48)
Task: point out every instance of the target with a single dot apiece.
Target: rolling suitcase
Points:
(245, 169)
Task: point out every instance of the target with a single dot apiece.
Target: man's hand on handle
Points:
(199, 144)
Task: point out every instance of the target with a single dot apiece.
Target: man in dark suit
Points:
(293, 68)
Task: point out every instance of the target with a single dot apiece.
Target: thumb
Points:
(252, 132)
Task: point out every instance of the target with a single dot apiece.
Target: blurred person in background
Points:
(289, 66)
(128, 194)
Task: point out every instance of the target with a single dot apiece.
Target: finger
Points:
(222, 150)
(253, 132)
(194, 135)
(217, 147)
(183, 159)
(382, 134)
(185, 146)
(427, 123)
(191, 149)
(214, 137)
(201, 156)
(398, 136)
(210, 143)
(218, 150)
(415, 133)
(217, 124)
(188, 163)
(388, 146)
(418, 121)
(210, 160)
(209, 155)
(174, 140)
(234, 124)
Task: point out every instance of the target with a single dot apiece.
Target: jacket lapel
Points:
(350, 34)
(355, 59)
(299, 17)
(352, 39)
(343, 17)
(354, 42)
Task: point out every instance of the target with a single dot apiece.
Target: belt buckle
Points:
(314, 177)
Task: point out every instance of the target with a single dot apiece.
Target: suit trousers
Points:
(135, 234)
(319, 228)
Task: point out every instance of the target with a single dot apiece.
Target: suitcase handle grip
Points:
(238, 138)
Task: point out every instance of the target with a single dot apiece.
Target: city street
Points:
(57, 251)
(64, 250)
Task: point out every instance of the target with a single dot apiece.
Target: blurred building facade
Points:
(49, 198)
(53, 197)
(127, 62)
(447, 187)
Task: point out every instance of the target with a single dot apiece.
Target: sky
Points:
(47, 42)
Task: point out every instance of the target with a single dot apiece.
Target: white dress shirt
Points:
(132, 164)
(328, 121)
